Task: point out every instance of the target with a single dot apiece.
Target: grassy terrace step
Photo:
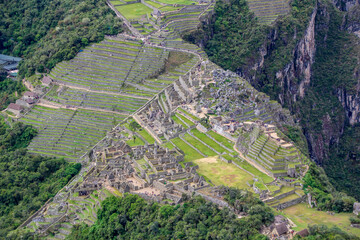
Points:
(190, 154)
(198, 145)
(184, 119)
(226, 142)
(68, 133)
(106, 65)
(211, 143)
(189, 114)
(96, 100)
(178, 121)
(268, 11)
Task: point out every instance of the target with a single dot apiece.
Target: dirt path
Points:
(45, 103)
(102, 92)
(208, 160)
(258, 167)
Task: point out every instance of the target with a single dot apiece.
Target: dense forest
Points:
(26, 181)
(131, 217)
(10, 90)
(234, 39)
(49, 31)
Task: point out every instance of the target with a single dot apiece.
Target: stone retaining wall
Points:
(290, 203)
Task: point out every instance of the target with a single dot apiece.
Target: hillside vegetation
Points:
(234, 39)
(47, 32)
(131, 217)
(26, 181)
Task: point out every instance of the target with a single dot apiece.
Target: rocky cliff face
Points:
(296, 78)
(309, 62)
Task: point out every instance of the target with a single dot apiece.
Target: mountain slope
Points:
(309, 62)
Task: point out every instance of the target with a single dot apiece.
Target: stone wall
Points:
(219, 202)
(290, 203)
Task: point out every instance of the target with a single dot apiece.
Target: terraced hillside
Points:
(114, 65)
(100, 87)
(268, 11)
(68, 133)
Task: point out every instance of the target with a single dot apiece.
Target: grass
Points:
(137, 142)
(134, 11)
(187, 121)
(189, 114)
(146, 136)
(208, 141)
(178, 121)
(116, 2)
(168, 145)
(221, 173)
(248, 167)
(226, 142)
(190, 154)
(302, 215)
(176, 59)
(181, 2)
(198, 145)
(154, 4)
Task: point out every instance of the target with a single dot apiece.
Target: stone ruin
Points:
(150, 171)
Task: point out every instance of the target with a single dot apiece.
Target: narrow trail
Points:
(48, 104)
(103, 92)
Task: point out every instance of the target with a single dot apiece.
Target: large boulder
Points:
(356, 210)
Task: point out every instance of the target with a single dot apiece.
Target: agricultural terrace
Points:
(180, 2)
(110, 102)
(134, 10)
(68, 133)
(267, 11)
(113, 65)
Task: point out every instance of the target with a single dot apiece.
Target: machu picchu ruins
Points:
(147, 113)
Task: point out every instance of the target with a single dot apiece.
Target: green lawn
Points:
(302, 215)
(221, 173)
(190, 154)
(208, 141)
(248, 167)
(181, 2)
(190, 123)
(146, 136)
(189, 114)
(198, 145)
(154, 4)
(116, 2)
(134, 11)
(177, 120)
(168, 145)
(226, 142)
(137, 142)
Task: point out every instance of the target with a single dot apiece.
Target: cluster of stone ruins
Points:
(150, 171)
(158, 173)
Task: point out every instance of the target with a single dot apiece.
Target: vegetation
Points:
(327, 198)
(324, 232)
(236, 34)
(303, 216)
(232, 39)
(26, 181)
(134, 11)
(47, 32)
(10, 90)
(131, 217)
(221, 173)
